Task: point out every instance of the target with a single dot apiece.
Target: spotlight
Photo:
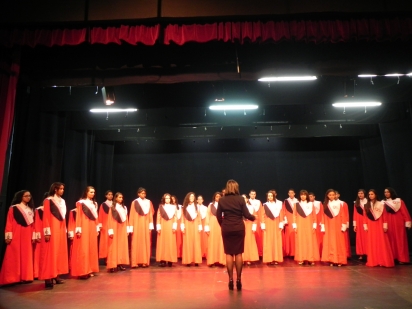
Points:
(356, 104)
(286, 78)
(108, 95)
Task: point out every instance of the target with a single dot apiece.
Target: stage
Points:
(282, 286)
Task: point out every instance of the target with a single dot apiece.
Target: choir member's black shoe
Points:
(169, 264)
(84, 277)
(188, 265)
(57, 280)
(145, 265)
(238, 284)
(111, 270)
(162, 264)
(231, 284)
(122, 268)
(196, 264)
(48, 284)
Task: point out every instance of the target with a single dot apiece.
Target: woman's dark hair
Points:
(173, 197)
(326, 200)
(163, 200)
(273, 191)
(54, 187)
(304, 192)
(367, 207)
(88, 188)
(141, 189)
(214, 195)
(232, 187)
(107, 192)
(114, 199)
(18, 198)
(186, 200)
(357, 202)
(392, 192)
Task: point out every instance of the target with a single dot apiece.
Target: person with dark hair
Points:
(317, 205)
(250, 253)
(304, 224)
(53, 253)
(166, 225)
(288, 232)
(203, 236)
(179, 235)
(379, 250)
(358, 219)
(272, 221)
(19, 236)
(191, 227)
(141, 226)
(345, 207)
(85, 260)
(257, 206)
(233, 206)
(38, 228)
(118, 230)
(215, 254)
(334, 218)
(103, 215)
(398, 219)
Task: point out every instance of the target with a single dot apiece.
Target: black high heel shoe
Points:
(231, 284)
(238, 284)
(48, 284)
(57, 280)
(122, 268)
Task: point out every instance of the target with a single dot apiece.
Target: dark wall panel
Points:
(122, 9)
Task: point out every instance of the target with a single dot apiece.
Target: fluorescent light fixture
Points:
(113, 110)
(394, 75)
(367, 75)
(232, 107)
(356, 104)
(286, 78)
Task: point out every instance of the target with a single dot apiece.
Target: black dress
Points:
(230, 212)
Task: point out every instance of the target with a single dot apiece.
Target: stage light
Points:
(367, 75)
(286, 78)
(112, 110)
(356, 104)
(394, 75)
(232, 107)
(108, 95)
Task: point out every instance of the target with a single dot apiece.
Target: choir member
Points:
(19, 237)
(118, 230)
(398, 219)
(38, 227)
(85, 259)
(203, 236)
(250, 253)
(257, 205)
(215, 254)
(53, 253)
(288, 232)
(71, 228)
(166, 225)
(379, 250)
(319, 220)
(191, 227)
(346, 209)
(334, 218)
(273, 218)
(223, 192)
(304, 224)
(141, 226)
(103, 214)
(179, 234)
(358, 219)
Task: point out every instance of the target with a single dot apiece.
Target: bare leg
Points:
(229, 266)
(239, 265)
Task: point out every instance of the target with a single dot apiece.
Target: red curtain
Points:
(128, 34)
(9, 75)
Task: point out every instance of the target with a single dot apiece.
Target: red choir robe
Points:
(250, 253)
(53, 253)
(361, 234)
(18, 259)
(38, 228)
(288, 232)
(191, 227)
(335, 224)
(398, 219)
(117, 246)
(141, 226)
(305, 224)
(84, 259)
(347, 240)
(378, 247)
(215, 252)
(103, 236)
(179, 234)
(319, 220)
(203, 236)
(71, 228)
(257, 206)
(272, 222)
(166, 226)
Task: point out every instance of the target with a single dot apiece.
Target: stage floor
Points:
(285, 286)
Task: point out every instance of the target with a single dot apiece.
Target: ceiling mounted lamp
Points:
(356, 104)
(113, 110)
(108, 95)
(232, 107)
(367, 75)
(286, 78)
(394, 75)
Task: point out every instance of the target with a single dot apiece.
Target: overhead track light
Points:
(394, 75)
(367, 75)
(356, 104)
(108, 95)
(227, 107)
(112, 110)
(286, 78)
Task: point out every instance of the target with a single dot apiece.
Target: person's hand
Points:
(47, 238)
(385, 229)
(71, 238)
(354, 229)
(33, 241)
(111, 236)
(207, 233)
(8, 241)
(78, 235)
(158, 232)
(38, 240)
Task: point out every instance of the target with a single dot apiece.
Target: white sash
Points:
(250, 208)
(145, 204)
(61, 204)
(334, 207)
(27, 213)
(292, 202)
(202, 210)
(170, 210)
(377, 210)
(255, 203)
(275, 207)
(306, 207)
(91, 205)
(191, 209)
(109, 203)
(394, 204)
(122, 211)
(179, 212)
(316, 205)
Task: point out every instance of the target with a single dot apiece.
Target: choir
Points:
(301, 228)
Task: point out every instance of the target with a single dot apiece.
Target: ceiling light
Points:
(409, 74)
(286, 78)
(228, 107)
(112, 110)
(108, 95)
(356, 104)
(367, 75)
(394, 75)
